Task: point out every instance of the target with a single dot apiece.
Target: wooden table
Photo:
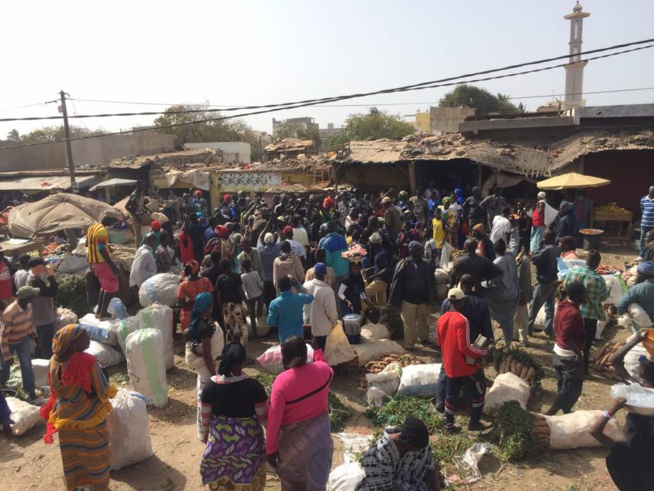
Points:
(614, 233)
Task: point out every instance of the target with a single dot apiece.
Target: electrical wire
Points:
(419, 86)
(275, 108)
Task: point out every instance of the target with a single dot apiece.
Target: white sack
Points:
(40, 367)
(374, 349)
(337, 347)
(346, 477)
(161, 288)
(573, 430)
(639, 316)
(631, 363)
(63, 318)
(24, 415)
(271, 359)
(506, 387)
(388, 381)
(160, 317)
(217, 344)
(125, 328)
(129, 432)
(615, 287)
(105, 354)
(146, 365)
(419, 380)
(374, 332)
(105, 332)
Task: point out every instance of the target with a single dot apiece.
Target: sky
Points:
(252, 52)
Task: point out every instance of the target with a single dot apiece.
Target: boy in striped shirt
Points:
(647, 219)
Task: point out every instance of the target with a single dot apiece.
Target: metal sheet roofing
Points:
(36, 184)
(114, 183)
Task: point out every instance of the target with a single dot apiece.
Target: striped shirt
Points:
(647, 205)
(97, 238)
(16, 324)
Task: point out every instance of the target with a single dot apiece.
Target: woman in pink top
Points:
(298, 438)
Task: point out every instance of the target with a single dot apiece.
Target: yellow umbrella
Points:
(572, 180)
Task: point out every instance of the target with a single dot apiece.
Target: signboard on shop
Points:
(249, 181)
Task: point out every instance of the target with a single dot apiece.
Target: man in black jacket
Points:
(545, 260)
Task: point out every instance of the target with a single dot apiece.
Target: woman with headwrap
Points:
(233, 407)
(642, 293)
(401, 460)
(299, 443)
(77, 410)
(190, 288)
(568, 225)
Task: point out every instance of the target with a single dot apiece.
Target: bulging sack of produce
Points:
(102, 331)
(129, 432)
(614, 285)
(125, 328)
(372, 350)
(639, 316)
(506, 387)
(573, 430)
(40, 368)
(64, 317)
(146, 365)
(24, 415)
(161, 288)
(117, 308)
(337, 347)
(196, 361)
(271, 359)
(388, 380)
(419, 380)
(632, 360)
(160, 317)
(374, 332)
(105, 354)
(346, 477)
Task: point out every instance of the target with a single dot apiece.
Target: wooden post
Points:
(412, 178)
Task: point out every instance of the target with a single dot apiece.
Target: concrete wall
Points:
(91, 151)
(233, 152)
(448, 118)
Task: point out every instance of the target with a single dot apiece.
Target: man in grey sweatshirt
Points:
(43, 308)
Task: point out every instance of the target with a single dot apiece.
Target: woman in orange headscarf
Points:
(189, 289)
(77, 410)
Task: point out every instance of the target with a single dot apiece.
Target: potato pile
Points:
(376, 366)
(599, 361)
(519, 363)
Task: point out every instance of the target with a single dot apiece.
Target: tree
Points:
(290, 129)
(480, 99)
(194, 127)
(372, 126)
(55, 133)
(13, 135)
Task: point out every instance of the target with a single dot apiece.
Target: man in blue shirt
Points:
(334, 244)
(285, 313)
(642, 293)
(647, 219)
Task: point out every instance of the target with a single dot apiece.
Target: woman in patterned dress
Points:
(189, 289)
(233, 407)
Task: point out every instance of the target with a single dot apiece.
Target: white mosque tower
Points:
(574, 70)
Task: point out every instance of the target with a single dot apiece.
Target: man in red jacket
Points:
(568, 358)
(453, 336)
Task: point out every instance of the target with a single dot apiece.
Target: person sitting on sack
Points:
(642, 293)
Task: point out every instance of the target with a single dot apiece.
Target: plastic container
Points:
(352, 324)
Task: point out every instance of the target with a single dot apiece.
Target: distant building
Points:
(326, 135)
(447, 119)
(232, 152)
(291, 148)
(304, 123)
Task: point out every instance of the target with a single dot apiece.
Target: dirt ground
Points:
(27, 463)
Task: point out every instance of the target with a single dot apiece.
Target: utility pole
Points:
(69, 150)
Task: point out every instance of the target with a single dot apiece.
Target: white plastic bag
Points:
(601, 325)
(337, 347)
(146, 365)
(271, 359)
(471, 458)
(374, 332)
(446, 253)
(388, 381)
(615, 287)
(24, 415)
(573, 430)
(506, 387)
(161, 288)
(217, 344)
(105, 354)
(160, 317)
(40, 368)
(372, 350)
(125, 328)
(636, 395)
(631, 360)
(346, 477)
(129, 432)
(354, 444)
(105, 332)
(419, 380)
(376, 397)
(63, 318)
(639, 316)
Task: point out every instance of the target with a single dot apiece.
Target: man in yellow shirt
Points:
(438, 228)
(97, 242)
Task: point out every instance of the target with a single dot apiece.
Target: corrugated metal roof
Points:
(35, 184)
(377, 151)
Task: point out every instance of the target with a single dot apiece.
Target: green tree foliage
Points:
(55, 133)
(374, 125)
(480, 99)
(289, 129)
(13, 135)
(200, 130)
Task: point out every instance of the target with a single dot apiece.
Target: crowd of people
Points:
(299, 264)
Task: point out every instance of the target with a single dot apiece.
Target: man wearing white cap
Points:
(538, 222)
(269, 250)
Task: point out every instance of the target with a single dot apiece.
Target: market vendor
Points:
(642, 293)
(629, 462)
(97, 241)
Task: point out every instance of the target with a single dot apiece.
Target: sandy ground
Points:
(27, 463)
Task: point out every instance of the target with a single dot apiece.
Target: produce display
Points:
(541, 429)
(520, 363)
(515, 432)
(606, 269)
(591, 231)
(354, 254)
(599, 361)
(376, 366)
(395, 412)
(72, 295)
(610, 210)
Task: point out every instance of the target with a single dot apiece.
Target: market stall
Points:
(615, 221)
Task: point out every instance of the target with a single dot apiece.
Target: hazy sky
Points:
(269, 51)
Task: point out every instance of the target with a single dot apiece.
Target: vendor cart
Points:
(617, 226)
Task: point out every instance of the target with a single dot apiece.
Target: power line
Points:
(274, 108)
(419, 86)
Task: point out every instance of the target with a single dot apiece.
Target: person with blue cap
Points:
(321, 314)
(642, 293)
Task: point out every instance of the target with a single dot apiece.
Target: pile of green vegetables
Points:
(72, 295)
(514, 433)
(338, 413)
(395, 412)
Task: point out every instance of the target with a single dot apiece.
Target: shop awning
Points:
(114, 183)
(37, 184)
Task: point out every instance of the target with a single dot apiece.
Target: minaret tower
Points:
(574, 70)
